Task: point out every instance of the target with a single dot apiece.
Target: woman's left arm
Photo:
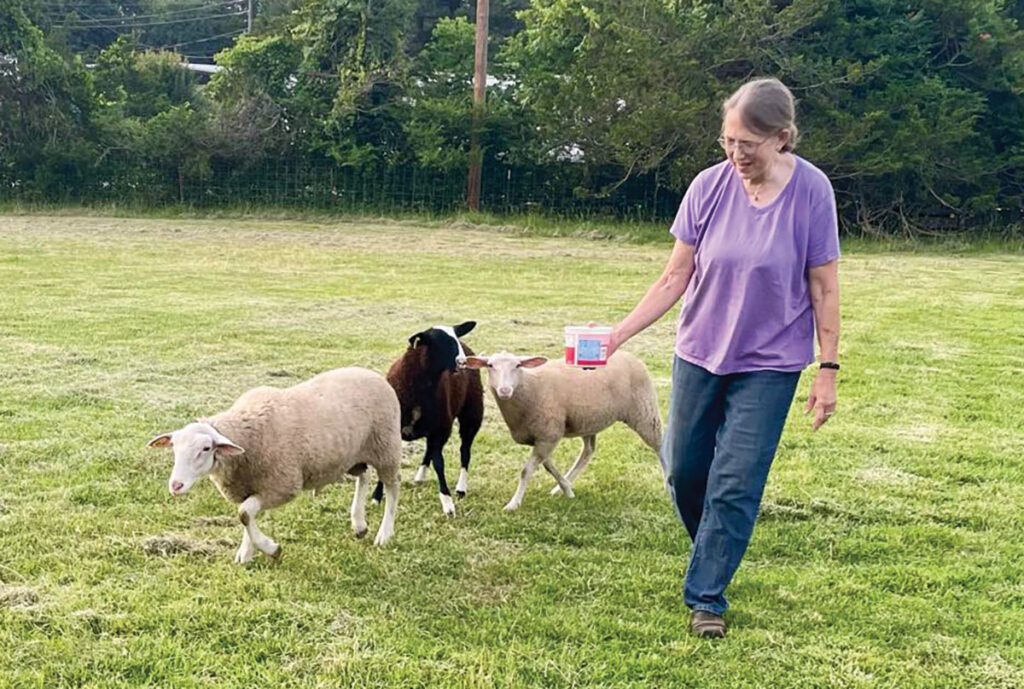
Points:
(824, 285)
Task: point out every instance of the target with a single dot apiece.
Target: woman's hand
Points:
(822, 398)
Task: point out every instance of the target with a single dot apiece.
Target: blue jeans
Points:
(719, 443)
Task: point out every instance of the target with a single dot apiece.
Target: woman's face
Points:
(752, 155)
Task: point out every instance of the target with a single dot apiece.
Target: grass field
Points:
(889, 551)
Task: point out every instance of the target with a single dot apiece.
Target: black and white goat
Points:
(434, 389)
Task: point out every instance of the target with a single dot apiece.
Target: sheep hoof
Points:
(382, 538)
(461, 493)
(361, 532)
(276, 555)
(244, 555)
(512, 507)
(375, 501)
(447, 505)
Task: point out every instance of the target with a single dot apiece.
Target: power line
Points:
(145, 25)
(108, 28)
(199, 40)
(134, 17)
(72, 6)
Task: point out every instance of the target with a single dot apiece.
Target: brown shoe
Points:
(708, 625)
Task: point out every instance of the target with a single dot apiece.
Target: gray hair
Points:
(766, 108)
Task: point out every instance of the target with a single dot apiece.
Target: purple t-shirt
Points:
(748, 304)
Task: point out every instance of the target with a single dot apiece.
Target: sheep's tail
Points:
(647, 419)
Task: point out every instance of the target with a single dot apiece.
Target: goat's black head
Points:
(442, 350)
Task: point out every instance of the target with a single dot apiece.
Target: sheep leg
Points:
(538, 455)
(435, 448)
(387, 525)
(247, 512)
(359, 505)
(470, 421)
(562, 483)
(421, 473)
(587, 451)
(463, 485)
(246, 551)
(378, 493)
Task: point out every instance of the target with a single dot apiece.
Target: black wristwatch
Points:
(834, 365)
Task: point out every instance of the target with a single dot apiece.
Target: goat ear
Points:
(477, 362)
(225, 446)
(162, 440)
(414, 340)
(463, 328)
(533, 362)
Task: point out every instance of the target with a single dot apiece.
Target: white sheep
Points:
(542, 404)
(273, 443)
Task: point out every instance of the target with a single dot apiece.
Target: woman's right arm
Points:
(661, 296)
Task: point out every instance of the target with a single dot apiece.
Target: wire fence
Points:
(324, 185)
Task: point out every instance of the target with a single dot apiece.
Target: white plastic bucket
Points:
(587, 346)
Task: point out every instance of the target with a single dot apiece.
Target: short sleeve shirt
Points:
(748, 304)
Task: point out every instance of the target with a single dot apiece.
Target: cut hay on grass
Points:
(888, 552)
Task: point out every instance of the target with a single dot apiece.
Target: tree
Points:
(45, 108)
(616, 85)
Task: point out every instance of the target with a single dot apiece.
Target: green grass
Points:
(973, 240)
(888, 553)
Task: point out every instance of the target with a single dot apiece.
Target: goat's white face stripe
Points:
(450, 332)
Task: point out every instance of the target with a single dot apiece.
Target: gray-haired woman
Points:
(756, 254)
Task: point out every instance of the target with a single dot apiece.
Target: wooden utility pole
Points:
(476, 156)
(249, 15)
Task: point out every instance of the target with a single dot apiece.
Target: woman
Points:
(756, 254)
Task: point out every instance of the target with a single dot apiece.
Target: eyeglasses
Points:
(745, 147)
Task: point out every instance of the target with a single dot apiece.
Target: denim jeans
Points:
(719, 443)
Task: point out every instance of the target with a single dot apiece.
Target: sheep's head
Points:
(504, 370)
(195, 452)
(440, 347)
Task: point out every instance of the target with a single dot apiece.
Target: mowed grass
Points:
(889, 551)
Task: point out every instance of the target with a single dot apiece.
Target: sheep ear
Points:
(463, 328)
(533, 362)
(162, 440)
(477, 362)
(414, 340)
(225, 446)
